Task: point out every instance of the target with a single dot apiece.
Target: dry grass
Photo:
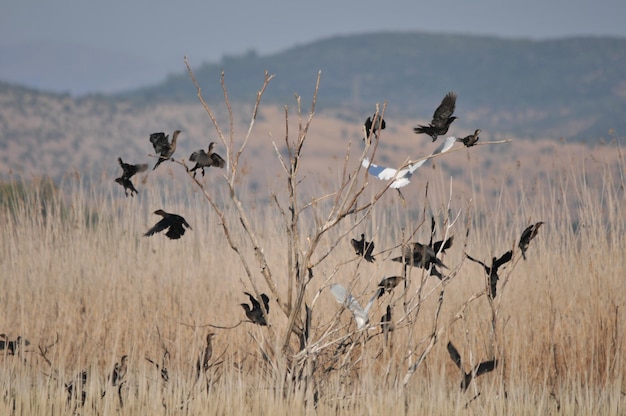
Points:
(85, 287)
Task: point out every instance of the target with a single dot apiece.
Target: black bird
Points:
(206, 159)
(470, 140)
(174, 223)
(369, 123)
(389, 283)
(492, 271)
(162, 146)
(386, 325)
(442, 245)
(419, 255)
(480, 369)
(363, 248)
(128, 171)
(527, 235)
(255, 314)
(442, 118)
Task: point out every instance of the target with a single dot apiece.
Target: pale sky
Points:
(158, 33)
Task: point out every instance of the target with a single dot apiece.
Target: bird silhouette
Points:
(345, 298)
(373, 125)
(480, 369)
(402, 177)
(175, 225)
(442, 118)
(119, 371)
(389, 283)
(527, 235)
(386, 324)
(492, 271)
(203, 360)
(254, 313)
(206, 159)
(470, 140)
(77, 384)
(162, 368)
(12, 346)
(363, 248)
(419, 255)
(128, 171)
(163, 147)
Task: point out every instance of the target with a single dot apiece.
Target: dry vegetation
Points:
(84, 287)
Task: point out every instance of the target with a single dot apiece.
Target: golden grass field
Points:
(84, 286)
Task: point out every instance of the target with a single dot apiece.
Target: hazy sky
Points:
(161, 32)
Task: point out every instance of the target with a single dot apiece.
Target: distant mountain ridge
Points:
(571, 87)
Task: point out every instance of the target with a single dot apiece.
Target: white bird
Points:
(402, 177)
(345, 298)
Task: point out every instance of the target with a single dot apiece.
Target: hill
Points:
(573, 88)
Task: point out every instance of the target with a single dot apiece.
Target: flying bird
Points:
(470, 140)
(128, 171)
(254, 313)
(492, 271)
(442, 118)
(419, 255)
(402, 177)
(345, 298)
(389, 283)
(162, 146)
(374, 127)
(363, 248)
(527, 235)
(206, 159)
(480, 369)
(175, 225)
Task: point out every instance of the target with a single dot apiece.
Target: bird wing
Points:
(158, 227)
(345, 298)
(176, 231)
(485, 367)
(454, 354)
(505, 258)
(159, 141)
(217, 161)
(266, 302)
(443, 245)
(255, 303)
(445, 109)
(195, 155)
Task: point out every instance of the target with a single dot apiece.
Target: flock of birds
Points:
(416, 254)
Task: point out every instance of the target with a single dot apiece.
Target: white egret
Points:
(345, 298)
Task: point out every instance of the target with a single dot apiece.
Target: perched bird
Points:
(345, 298)
(419, 255)
(492, 271)
(162, 146)
(470, 140)
(402, 177)
(203, 360)
(480, 369)
(119, 371)
(206, 159)
(374, 127)
(254, 313)
(77, 384)
(363, 248)
(389, 283)
(527, 235)
(442, 118)
(386, 325)
(175, 225)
